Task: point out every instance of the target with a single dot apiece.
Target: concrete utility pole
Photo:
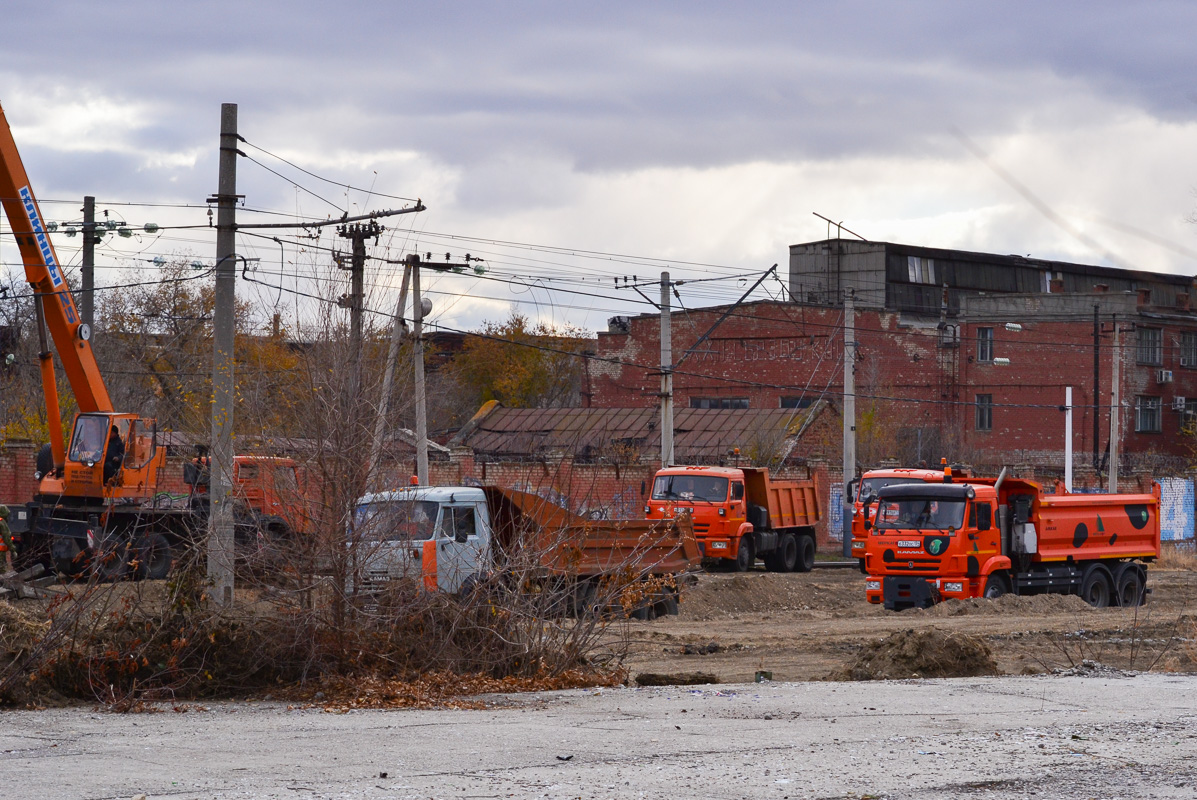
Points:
(1068, 439)
(421, 397)
(849, 414)
(357, 233)
(220, 520)
(388, 378)
(666, 374)
(88, 270)
(1115, 358)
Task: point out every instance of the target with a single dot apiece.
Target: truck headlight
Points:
(953, 586)
(858, 545)
(872, 586)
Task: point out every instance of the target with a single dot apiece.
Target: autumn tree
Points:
(522, 365)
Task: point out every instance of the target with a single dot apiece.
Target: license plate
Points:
(908, 543)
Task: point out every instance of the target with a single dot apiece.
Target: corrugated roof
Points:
(699, 434)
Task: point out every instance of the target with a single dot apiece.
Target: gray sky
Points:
(697, 137)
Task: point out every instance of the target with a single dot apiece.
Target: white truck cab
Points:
(440, 534)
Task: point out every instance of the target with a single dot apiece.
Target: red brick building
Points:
(958, 355)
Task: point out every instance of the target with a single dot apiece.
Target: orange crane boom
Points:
(55, 304)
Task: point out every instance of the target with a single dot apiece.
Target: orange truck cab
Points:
(869, 485)
(985, 538)
(740, 514)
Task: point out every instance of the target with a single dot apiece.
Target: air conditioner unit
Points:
(1163, 376)
(1178, 403)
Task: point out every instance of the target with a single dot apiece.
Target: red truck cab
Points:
(868, 486)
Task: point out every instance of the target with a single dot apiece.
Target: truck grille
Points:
(702, 527)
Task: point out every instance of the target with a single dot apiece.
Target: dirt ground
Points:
(818, 625)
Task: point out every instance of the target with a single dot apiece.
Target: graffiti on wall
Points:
(835, 514)
(1176, 509)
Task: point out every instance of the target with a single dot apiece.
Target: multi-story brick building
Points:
(958, 354)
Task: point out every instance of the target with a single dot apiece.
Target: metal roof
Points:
(699, 434)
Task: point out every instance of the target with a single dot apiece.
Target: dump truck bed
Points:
(529, 528)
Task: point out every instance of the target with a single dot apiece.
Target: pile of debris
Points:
(925, 653)
(28, 584)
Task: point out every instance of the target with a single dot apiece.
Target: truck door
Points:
(461, 539)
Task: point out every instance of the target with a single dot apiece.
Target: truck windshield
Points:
(87, 442)
(917, 513)
(872, 486)
(400, 520)
(690, 487)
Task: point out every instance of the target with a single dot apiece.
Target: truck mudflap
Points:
(899, 592)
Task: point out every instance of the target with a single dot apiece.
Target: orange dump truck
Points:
(985, 538)
(741, 514)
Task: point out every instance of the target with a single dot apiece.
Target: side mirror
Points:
(867, 500)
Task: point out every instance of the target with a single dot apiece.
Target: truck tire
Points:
(153, 557)
(667, 605)
(1097, 586)
(111, 562)
(1130, 584)
(996, 586)
(806, 554)
(785, 556)
(745, 557)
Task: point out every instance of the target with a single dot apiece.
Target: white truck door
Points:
(461, 539)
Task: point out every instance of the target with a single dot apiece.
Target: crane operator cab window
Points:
(89, 438)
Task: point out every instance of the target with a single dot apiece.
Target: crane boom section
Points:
(45, 275)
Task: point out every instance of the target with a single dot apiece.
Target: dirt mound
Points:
(1029, 604)
(722, 595)
(926, 653)
(675, 679)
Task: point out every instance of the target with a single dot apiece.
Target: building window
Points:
(1188, 415)
(984, 412)
(1147, 414)
(1151, 346)
(718, 402)
(921, 270)
(985, 344)
(796, 401)
(1188, 348)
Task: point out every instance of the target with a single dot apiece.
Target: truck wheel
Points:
(646, 612)
(806, 554)
(996, 586)
(745, 557)
(1096, 586)
(785, 556)
(860, 563)
(153, 557)
(667, 605)
(111, 563)
(1129, 586)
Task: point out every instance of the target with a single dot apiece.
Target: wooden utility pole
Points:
(220, 520)
(88, 270)
(849, 415)
(666, 374)
(388, 378)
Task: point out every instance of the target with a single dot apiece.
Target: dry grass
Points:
(1173, 556)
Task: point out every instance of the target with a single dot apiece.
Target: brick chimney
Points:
(1182, 301)
(1101, 287)
(1144, 298)
(1055, 285)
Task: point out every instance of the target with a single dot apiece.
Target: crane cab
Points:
(110, 455)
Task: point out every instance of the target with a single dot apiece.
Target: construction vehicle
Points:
(971, 537)
(868, 485)
(740, 514)
(98, 502)
(452, 538)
